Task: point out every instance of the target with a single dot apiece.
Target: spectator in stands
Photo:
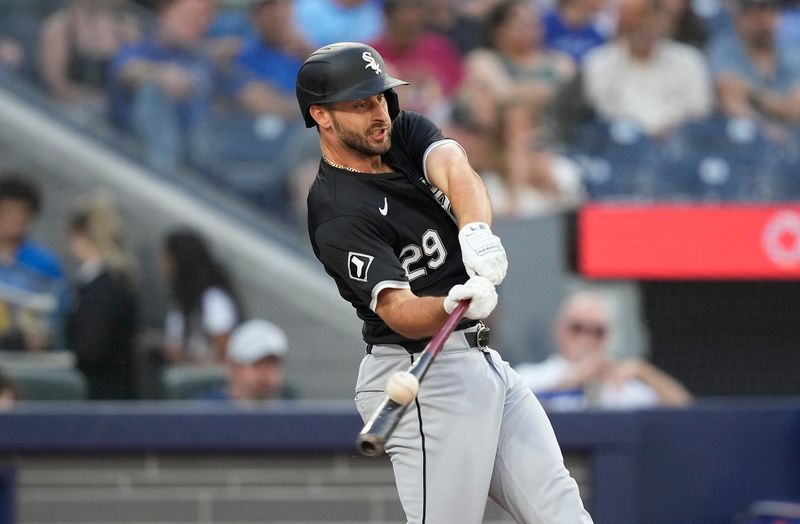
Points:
(429, 61)
(513, 66)
(533, 179)
(162, 87)
(788, 34)
(582, 374)
(205, 308)
(32, 284)
(686, 26)
(227, 34)
(755, 75)
(266, 91)
(255, 357)
(272, 61)
(572, 28)
(325, 22)
(8, 392)
(450, 19)
(644, 77)
(12, 54)
(102, 323)
(76, 45)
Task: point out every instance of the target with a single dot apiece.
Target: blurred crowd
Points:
(556, 101)
(90, 315)
(209, 348)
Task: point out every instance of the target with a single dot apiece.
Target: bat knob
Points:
(370, 445)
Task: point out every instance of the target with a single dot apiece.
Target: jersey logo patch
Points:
(371, 62)
(358, 265)
(385, 209)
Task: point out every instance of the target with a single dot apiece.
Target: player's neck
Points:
(353, 163)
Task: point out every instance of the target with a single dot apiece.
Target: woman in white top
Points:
(204, 307)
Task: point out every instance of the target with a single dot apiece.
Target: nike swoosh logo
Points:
(385, 208)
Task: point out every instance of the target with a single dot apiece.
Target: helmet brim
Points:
(366, 89)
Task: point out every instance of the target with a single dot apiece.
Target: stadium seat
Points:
(702, 177)
(246, 156)
(783, 172)
(616, 159)
(715, 159)
(41, 383)
(185, 382)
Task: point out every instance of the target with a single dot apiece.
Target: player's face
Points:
(363, 125)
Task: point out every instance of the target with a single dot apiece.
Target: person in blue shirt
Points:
(33, 289)
(756, 75)
(264, 89)
(324, 22)
(162, 86)
(270, 61)
(572, 28)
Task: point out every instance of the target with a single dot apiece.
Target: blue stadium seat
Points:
(702, 177)
(715, 159)
(247, 156)
(783, 170)
(616, 159)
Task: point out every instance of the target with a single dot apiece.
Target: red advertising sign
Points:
(730, 242)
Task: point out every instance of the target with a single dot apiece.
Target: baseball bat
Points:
(376, 432)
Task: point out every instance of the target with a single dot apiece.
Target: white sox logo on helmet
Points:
(371, 63)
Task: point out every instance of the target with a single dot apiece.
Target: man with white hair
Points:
(582, 373)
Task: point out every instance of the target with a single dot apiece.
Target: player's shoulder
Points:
(406, 121)
(412, 134)
(344, 229)
(335, 195)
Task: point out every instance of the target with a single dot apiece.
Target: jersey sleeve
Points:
(414, 135)
(361, 259)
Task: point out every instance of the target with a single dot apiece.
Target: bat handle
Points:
(370, 445)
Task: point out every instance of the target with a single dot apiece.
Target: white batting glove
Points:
(480, 292)
(482, 252)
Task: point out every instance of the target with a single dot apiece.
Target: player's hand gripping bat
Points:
(376, 432)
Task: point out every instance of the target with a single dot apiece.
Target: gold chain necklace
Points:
(340, 166)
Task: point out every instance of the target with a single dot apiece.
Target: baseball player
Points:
(401, 222)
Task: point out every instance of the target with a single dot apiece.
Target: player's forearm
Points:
(412, 316)
(449, 170)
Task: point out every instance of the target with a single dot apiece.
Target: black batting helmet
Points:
(342, 72)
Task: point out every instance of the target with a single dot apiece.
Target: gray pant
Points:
(474, 430)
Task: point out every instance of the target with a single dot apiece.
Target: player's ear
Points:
(321, 115)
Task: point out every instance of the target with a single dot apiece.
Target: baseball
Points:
(402, 387)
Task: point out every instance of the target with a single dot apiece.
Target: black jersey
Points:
(387, 230)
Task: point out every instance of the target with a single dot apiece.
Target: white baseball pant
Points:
(474, 431)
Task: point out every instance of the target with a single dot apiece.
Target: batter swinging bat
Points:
(380, 426)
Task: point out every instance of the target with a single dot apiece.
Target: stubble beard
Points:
(360, 143)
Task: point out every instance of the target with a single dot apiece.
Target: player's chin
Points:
(380, 147)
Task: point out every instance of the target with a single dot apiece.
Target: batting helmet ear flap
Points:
(393, 102)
